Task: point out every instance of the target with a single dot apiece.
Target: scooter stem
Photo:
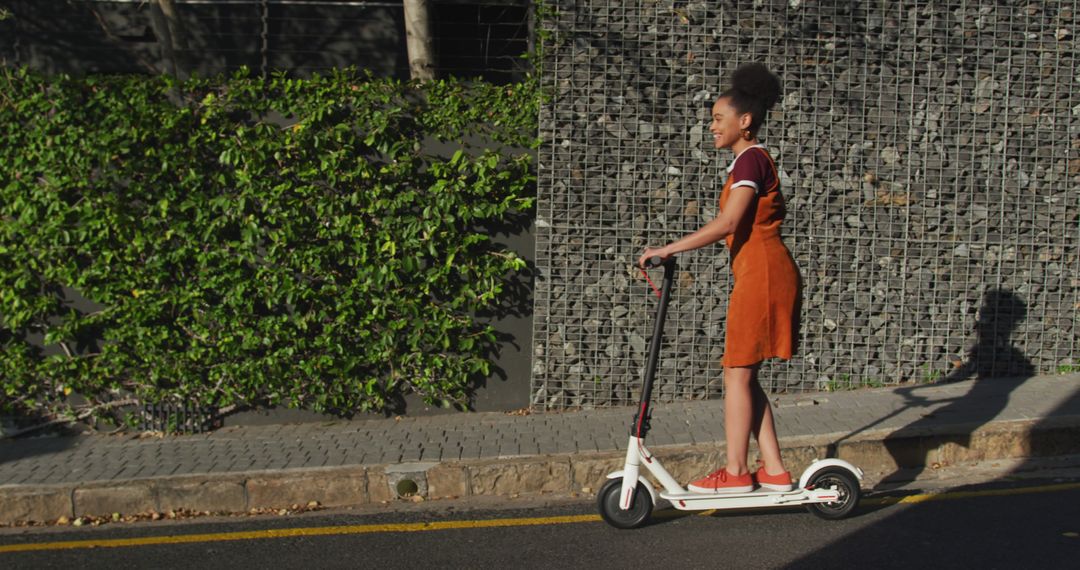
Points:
(641, 426)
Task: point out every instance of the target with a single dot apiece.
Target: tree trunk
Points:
(164, 38)
(177, 34)
(418, 39)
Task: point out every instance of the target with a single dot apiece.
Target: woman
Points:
(762, 319)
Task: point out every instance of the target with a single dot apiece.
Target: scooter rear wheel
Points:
(608, 501)
(846, 486)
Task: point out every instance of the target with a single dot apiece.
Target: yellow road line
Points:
(291, 532)
(448, 525)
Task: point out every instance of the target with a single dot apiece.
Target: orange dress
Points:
(763, 310)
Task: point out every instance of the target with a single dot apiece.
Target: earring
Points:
(747, 135)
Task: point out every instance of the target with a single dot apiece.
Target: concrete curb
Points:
(883, 453)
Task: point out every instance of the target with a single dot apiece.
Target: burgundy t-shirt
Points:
(753, 168)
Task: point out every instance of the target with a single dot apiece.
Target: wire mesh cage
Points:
(928, 153)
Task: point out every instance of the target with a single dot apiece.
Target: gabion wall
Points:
(929, 154)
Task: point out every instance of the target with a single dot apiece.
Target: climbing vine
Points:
(253, 241)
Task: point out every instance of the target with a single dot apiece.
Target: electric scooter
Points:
(829, 487)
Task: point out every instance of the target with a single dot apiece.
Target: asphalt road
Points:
(1026, 525)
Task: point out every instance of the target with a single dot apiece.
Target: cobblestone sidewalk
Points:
(483, 453)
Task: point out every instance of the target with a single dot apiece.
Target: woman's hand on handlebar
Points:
(660, 252)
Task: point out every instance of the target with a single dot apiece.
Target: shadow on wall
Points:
(998, 368)
(512, 318)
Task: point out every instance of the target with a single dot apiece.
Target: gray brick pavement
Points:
(491, 435)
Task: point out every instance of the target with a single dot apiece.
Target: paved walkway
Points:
(891, 412)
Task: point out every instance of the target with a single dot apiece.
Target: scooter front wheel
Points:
(608, 501)
(847, 488)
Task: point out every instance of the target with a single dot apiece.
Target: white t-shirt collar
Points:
(732, 165)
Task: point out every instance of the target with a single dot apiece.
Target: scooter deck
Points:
(756, 498)
(756, 493)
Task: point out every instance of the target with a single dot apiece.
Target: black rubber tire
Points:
(845, 483)
(608, 501)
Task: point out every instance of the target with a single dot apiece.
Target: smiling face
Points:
(727, 123)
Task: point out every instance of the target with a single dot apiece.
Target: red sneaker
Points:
(720, 481)
(781, 482)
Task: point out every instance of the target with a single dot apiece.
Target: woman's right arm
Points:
(715, 230)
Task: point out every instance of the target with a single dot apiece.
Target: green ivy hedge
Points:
(252, 241)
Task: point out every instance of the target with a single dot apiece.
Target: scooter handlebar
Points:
(654, 261)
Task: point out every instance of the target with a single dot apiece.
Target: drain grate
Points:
(179, 418)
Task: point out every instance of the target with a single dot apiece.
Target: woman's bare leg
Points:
(764, 428)
(738, 416)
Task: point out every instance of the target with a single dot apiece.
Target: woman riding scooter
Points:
(763, 309)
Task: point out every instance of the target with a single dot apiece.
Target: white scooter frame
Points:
(829, 487)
